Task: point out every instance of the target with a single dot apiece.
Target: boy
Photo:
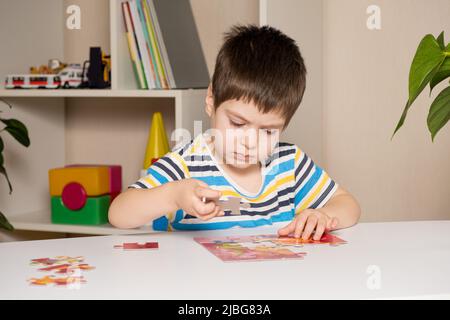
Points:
(258, 84)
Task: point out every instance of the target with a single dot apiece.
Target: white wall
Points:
(365, 90)
(302, 21)
(356, 90)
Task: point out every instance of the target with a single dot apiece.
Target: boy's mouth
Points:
(241, 157)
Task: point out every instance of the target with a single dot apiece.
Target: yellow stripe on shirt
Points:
(150, 180)
(313, 195)
(297, 155)
(183, 164)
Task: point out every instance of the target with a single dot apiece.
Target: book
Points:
(180, 44)
(142, 46)
(132, 46)
(156, 52)
(166, 51)
(148, 44)
(160, 45)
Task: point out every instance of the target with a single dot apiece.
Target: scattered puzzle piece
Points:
(63, 281)
(62, 265)
(57, 260)
(67, 268)
(137, 246)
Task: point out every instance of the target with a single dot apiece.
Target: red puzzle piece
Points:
(137, 246)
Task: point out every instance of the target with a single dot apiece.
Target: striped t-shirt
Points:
(292, 182)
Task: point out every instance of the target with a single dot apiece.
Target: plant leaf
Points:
(5, 102)
(440, 40)
(442, 74)
(3, 171)
(402, 118)
(426, 62)
(1, 144)
(439, 113)
(4, 223)
(18, 130)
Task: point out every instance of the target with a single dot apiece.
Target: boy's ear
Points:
(209, 102)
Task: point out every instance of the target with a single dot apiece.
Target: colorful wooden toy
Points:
(81, 194)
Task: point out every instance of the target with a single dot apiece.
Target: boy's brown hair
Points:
(260, 65)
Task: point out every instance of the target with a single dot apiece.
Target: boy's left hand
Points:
(308, 221)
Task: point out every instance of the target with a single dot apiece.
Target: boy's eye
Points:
(236, 124)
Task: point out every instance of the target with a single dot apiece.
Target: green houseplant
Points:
(19, 132)
(430, 65)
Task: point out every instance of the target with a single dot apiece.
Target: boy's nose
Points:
(250, 140)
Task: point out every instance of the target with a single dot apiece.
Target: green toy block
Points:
(94, 212)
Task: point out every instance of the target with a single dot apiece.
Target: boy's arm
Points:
(136, 207)
(343, 206)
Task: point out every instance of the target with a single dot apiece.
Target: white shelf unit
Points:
(40, 221)
(47, 114)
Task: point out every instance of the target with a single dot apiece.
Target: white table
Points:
(412, 260)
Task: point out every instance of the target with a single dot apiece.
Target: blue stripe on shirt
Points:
(308, 185)
(159, 177)
(284, 216)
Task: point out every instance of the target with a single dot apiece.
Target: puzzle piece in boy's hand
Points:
(234, 205)
(137, 246)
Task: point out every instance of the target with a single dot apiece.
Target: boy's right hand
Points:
(189, 194)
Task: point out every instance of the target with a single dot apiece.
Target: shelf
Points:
(93, 93)
(40, 221)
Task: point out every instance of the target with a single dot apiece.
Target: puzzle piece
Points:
(327, 238)
(231, 203)
(245, 248)
(56, 260)
(63, 281)
(71, 267)
(67, 268)
(137, 246)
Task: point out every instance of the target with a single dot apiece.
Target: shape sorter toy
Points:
(81, 194)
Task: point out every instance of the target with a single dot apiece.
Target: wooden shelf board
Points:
(88, 93)
(40, 221)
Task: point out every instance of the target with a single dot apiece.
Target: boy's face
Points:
(243, 136)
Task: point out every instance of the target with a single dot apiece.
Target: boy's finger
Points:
(215, 213)
(310, 226)
(300, 224)
(320, 229)
(204, 208)
(202, 183)
(334, 223)
(207, 193)
(286, 230)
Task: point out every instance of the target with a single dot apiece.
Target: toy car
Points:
(72, 76)
(32, 81)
